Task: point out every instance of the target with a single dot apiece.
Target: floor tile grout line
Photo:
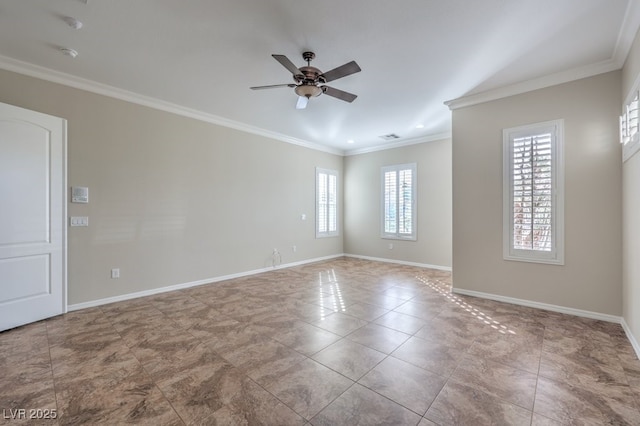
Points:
(53, 378)
(390, 399)
(535, 392)
(332, 401)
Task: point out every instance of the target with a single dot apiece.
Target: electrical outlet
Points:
(390, 246)
(115, 273)
(294, 248)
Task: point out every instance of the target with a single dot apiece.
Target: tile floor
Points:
(342, 342)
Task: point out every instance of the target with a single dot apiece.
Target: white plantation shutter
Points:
(326, 202)
(332, 204)
(533, 193)
(405, 202)
(630, 126)
(532, 198)
(323, 197)
(632, 118)
(629, 121)
(398, 201)
(390, 198)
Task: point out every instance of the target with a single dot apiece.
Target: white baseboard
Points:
(631, 337)
(400, 262)
(539, 305)
(151, 292)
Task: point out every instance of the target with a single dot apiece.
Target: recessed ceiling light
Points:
(350, 141)
(420, 126)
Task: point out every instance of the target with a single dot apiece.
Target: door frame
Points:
(65, 220)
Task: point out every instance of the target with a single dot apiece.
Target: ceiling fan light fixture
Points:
(308, 90)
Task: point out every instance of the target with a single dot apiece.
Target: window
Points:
(533, 193)
(326, 203)
(399, 202)
(629, 127)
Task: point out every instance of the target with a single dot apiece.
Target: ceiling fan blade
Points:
(302, 102)
(273, 86)
(287, 64)
(340, 94)
(341, 71)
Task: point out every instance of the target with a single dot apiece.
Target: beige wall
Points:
(591, 277)
(631, 207)
(362, 204)
(174, 200)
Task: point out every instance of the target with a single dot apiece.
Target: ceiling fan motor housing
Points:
(310, 78)
(309, 73)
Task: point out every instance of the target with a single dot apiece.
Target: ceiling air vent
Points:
(390, 137)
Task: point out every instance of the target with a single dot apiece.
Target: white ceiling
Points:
(199, 57)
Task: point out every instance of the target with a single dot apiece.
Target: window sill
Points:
(397, 238)
(529, 259)
(327, 235)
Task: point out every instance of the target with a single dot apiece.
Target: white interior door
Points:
(32, 216)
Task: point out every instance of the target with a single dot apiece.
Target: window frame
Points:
(414, 202)
(556, 255)
(329, 232)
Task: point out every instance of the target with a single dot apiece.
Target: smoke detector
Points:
(72, 22)
(69, 52)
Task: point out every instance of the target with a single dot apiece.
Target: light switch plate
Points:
(79, 221)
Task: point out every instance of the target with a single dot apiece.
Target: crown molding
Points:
(627, 33)
(406, 142)
(36, 71)
(534, 84)
(626, 36)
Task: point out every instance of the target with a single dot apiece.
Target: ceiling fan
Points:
(310, 81)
